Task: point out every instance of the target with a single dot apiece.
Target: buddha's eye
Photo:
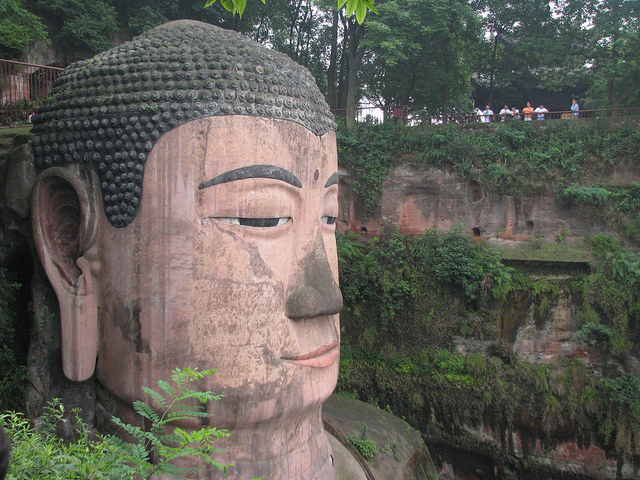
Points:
(329, 220)
(256, 222)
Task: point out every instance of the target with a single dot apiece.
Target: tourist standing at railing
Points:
(486, 114)
(528, 112)
(575, 108)
(515, 113)
(541, 110)
(505, 113)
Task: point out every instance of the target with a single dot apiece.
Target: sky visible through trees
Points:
(436, 56)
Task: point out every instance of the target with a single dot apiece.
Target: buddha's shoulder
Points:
(399, 452)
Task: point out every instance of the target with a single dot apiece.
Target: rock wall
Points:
(544, 237)
(417, 200)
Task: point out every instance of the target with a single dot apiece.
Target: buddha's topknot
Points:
(108, 112)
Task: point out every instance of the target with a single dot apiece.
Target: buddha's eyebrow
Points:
(333, 180)
(254, 171)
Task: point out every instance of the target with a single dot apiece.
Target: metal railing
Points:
(400, 113)
(535, 117)
(23, 87)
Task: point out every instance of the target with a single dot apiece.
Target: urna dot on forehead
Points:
(108, 112)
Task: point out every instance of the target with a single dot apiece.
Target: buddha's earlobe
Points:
(64, 211)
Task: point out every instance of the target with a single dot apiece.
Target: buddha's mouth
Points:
(319, 358)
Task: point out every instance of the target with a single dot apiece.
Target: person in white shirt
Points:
(575, 108)
(486, 114)
(505, 113)
(541, 110)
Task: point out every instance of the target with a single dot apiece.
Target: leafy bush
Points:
(42, 455)
(595, 335)
(366, 151)
(456, 264)
(367, 448)
(610, 294)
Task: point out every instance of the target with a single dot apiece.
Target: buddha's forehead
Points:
(240, 147)
(108, 112)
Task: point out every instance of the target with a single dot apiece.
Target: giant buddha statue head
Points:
(184, 214)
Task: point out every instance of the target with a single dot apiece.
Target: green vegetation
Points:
(367, 448)
(79, 29)
(408, 299)
(19, 29)
(610, 297)
(13, 380)
(42, 454)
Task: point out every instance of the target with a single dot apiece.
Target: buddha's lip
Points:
(319, 358)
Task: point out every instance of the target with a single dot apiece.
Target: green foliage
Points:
(610, 297)
(579, 194)
(43, 455)
(623, 419)
(408, 362)
(19, 29)
(367, 448)
(79, 29)
(396, 282)
(359, 7)
(595, 334)
(458, 391)
(366, 151)
(13, 372)
(624, 394)
(165, 443)
(456, 264)
(422, 55)
(617, 205)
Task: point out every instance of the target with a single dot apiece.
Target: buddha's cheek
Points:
(235, 308)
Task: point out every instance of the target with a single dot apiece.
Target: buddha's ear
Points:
(65, 224)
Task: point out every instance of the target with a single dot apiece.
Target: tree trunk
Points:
(333, 59)
(355, 54)
(493, 68)
(445, 104)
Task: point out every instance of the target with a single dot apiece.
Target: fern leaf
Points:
(159, 398)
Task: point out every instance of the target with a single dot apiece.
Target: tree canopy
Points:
(437, 57)
(19, 29)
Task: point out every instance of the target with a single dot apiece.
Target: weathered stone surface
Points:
(18, 179)
(405, 455)
(417, 200)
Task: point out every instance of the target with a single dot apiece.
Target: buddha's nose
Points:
(313, 292)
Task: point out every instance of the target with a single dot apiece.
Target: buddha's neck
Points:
(296, 449)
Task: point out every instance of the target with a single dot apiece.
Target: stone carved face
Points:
(212, 288)
(231, 264)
